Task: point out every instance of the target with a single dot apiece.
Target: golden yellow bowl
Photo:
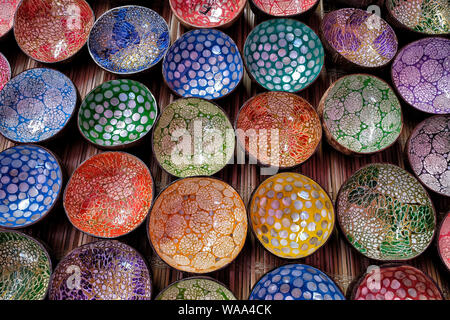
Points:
(291, 215)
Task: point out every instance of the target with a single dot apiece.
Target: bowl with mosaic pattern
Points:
(7, 11)
(443, 240)
(5, 71)
(284, 8)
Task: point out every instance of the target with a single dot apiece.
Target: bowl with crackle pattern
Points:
(97, 196)
(358, 39)
(101, 270)
(197, 224)
(443, 240)
(385, 213)
(360, 115)
(117, 114)
(421, 75)
(5, 71)
(52, 31)
(284, 8)
(7, 11)
(36, 105)
(25, 267)
(207, 13)
(128, 39)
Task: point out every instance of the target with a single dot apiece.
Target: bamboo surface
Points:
(328, 167)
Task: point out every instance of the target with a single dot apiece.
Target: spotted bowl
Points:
(5, 71)
(284, 8)
(7, 11)
(443, 240)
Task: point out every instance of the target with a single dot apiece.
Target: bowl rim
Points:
(9, 73)
(321, 110)
(147, 225)
(100, 154)
(184, 35)
(310, 9)
(94, 243)
(43, 249)
(60, 130)
(58, 196)
(258, 162)
(339, 224)
(61, 60)
(250, 222)
(247, 68)
(439, 229)
(108, 12)
(4, 35)
(121, 145)
(157, 122)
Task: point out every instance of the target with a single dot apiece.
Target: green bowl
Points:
(117, 114)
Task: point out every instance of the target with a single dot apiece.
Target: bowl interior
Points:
(203, 63)
(362, 114)
(97, 197)
(118, 112)
(7, 10)
(193, 137)
(5, 71)
(360, 37)
(283, 55)
(196, 288)
(279, 129)
(444, 241)
(198, 224)
(129, 39)
(284, 8)
(385, 213)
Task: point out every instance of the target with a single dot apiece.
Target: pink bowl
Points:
(7, 11)
(5, 71)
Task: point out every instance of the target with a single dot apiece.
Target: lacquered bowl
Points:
(291, 215)
(444, 241)
(396, 282)
(25, 267)
(36, 105)
(5, 71)
(296, 282)
(196, 288)
(206, 13)
(102, 270)
(128, 39)
(426, 17)
(385, 213)
(97, 196)
(283, 55)
(421, 72)
(428, 151)
(284, 8)
(193, 137)
(30, 185)
(7, 11)
(117, 114)
(203, 63)
(278, 129)
(52, 31)
(358, 38)
(358, 3)
(360, 114)
(198, 224)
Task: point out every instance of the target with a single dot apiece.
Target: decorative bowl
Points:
(291, 215)
(31, 180)
(360, 115)
(428, 151)
(426, 17)
(7, 11)
(284, 8)
(278, 129)
(128, 39)
(52, 31)
(283, 55)
(385, 213)
(358, 38)
(97, 196)
(207, 13)
(101, 270)
(193, 137)
(396, 282)
(203, 63)
(421, 75)
(358, 3)
(36, 105)
(196, 288)
(296, 282)
(198, 224)
(444, 241)
(25, 267)
(5, 71)
(117, 114)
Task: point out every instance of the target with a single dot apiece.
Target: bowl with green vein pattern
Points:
(283, 55)
(196, 288)
(25, 267)
(117, 114)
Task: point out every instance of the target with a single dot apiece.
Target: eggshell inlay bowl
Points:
(196, 288)
(444, 241)
(7, 11)
(5, 71)
(284, 8)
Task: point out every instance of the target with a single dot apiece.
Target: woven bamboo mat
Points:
(327, 167)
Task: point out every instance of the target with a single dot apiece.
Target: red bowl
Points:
(5, 71)
(7, 11)
(444, 241)
(284, 8)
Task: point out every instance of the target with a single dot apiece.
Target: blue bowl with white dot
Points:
(30, 184)
(203, 63)
(36, 105)
(296, 282)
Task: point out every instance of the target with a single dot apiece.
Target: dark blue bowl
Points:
(203, 63)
